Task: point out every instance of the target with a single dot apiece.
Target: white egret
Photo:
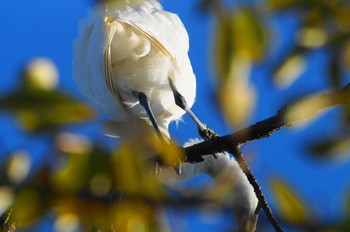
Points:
(129, 58)
(129, 50)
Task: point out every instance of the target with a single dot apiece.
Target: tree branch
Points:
(267, 127)
(232, 142)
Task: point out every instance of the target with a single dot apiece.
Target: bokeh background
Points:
(304, 170)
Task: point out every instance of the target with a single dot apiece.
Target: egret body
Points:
(127, 48)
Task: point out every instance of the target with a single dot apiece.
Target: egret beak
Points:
(204, 131)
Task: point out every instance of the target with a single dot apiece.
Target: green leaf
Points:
(80, 170)
(249, 34)
(133, 175)
(223, 46)
(40, 110)
(240, 34)
(282, 4)
(30, 205)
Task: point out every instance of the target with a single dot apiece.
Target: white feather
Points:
(127, 48)
(223, 167)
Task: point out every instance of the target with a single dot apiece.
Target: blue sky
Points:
(41, 28)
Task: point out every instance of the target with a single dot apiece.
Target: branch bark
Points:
(265, 128)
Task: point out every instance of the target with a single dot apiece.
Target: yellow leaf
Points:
(18, 166)
(290, 70)
(312, 37)
(237, 95)
(249, 35)
(67, 222)
(289, 203)
(130, 216)
(41, 73)
(74, 175)
(7, 197)
(133, 174)
(307, 107)
(239, 34)
(223, 46)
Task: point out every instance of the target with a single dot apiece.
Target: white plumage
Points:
(127, 48)
(224, 168)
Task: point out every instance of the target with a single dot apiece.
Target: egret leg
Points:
(204, 131)
(146, 105)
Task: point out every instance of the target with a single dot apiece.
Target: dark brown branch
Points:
(266, 127)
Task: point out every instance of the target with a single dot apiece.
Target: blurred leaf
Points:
(237, 93)
(290, 70)
(307, 107)
(80, 169)
(335, 68)
(101, 184)
(312, 37)
(67, 222)
(18, 166)
(169, 154)
(237, 101)
(87, 167)
(345, 225)
(86, 211)
(39, 110)
(135, 216)
(249, 34)
(347, 206)
(133, 175)
(73, 143)
(346, 55)
(290, 205)
(7, 197)
(223, 46)
(342, 17)
(239, 34)
(41, 74)
(331, 147)
(282, 4)
(324, 6)
(29, 206)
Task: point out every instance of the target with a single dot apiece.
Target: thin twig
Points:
(257, 189)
